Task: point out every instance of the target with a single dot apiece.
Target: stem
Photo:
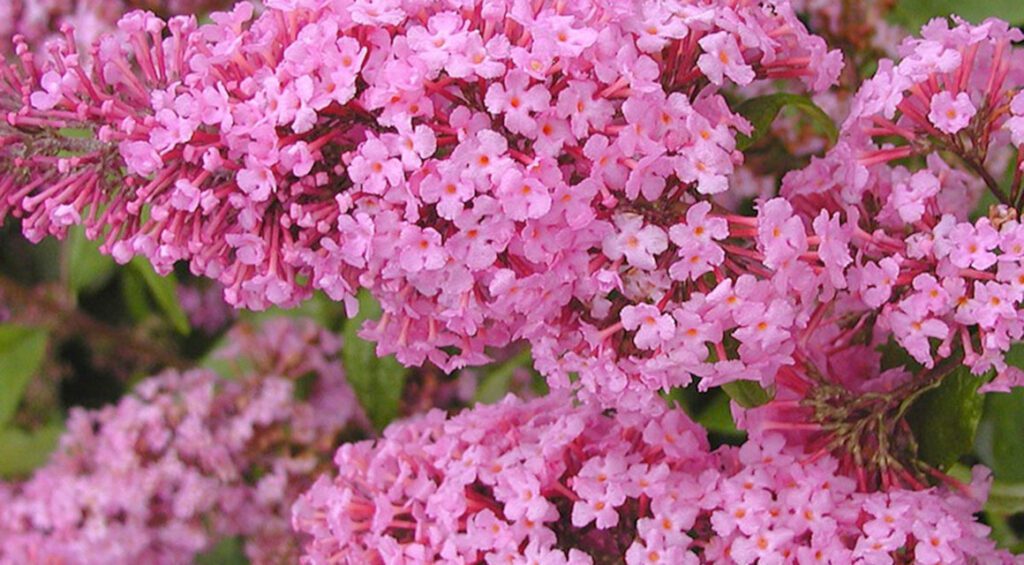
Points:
(993, 186)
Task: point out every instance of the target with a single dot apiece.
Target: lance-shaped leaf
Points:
(762, 111)
(377, 381)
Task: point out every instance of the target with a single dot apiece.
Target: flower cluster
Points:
(928, 273)
(491, 173)
(544, 482)
(36, 20)
(188, 458)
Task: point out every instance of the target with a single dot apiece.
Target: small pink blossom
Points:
(517, 101)
(951, 114)
(651, 326)
(523, 197)
(722, 58)
(374, 169)
(638, 243)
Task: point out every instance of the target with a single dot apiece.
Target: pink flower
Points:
(445, 34)
(648, 178)
(479, 58)
(698, 227)
(1016, 122)
(722, 58)
(186, 196)
(779, 232)
(577, 103)
(258, 182)
(53, 86)
(833, 247)
(450, 194)
(420, 249)
(484, 157)
(652, 327)
(605, 157)
(707, 165)
(599, 511)
(373, 169)
(972, 245)
(951, 114)
(877, 280)
(523, 499)
(913, 330)
(695, 239)
(760, 546)
(639, 244)
(517, 101)
(910, 197)
(140, 157)
(765, 326)
(933, 545)
(523, 197)
(414, 145)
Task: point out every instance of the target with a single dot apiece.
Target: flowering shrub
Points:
(600, 187)
(548, 483)
(187, 458)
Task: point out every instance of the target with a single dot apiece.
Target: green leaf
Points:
(1002, 532)
(494, 384)
(1005, 499)
(762, 111)
(716, 417)
(1000, 439)
(327, 313)
(164, 291)
(228, 551)
(88, 269)
(915, 13)
(21, 355)
(944, 419)
(134, 295)
(747, 394)
(377, 381)
(23, 452)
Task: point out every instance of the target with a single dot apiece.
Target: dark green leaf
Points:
(893, 355)
(134, 294)
(88, 269)
(377, 381)
(915, 13)
(716, 417)
(1000, 440)
(1002, 532)
(164, 291)
(685, 397)
(945, 418)
(495, 382)
(21, 355)
(1005, 499)
(762, 111)
(747, 394)
(228, 551)
(23, 452)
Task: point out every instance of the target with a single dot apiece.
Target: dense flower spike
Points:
(922, 270)
(187, 459)
(544, 482)
(490, 172)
